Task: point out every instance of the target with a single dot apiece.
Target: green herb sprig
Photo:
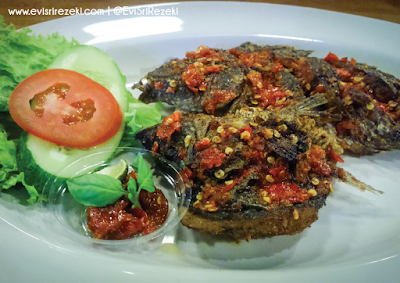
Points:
(100, 190)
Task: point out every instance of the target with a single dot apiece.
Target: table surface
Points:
(387, 10)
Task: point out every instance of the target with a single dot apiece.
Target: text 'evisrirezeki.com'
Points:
(118, 11)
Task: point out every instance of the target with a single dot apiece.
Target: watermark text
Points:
(118, 11)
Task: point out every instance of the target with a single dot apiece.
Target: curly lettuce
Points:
(9, 174)
(25, 54)
(139, 116)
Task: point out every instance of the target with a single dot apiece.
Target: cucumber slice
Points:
(41, 160)
(96, 65)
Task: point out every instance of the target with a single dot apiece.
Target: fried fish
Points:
(206, 80)
(259, 130)
(362, 105)
(254, 174)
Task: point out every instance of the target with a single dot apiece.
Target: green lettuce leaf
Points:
(9, 174)
(23, 54)
(27, 54)
(139, 116)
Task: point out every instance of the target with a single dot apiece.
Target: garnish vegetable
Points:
(66, 108)
(26, 54)
(9, 174)
(99, 190)
(30, 160)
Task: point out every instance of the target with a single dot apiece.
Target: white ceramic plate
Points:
(356, 239)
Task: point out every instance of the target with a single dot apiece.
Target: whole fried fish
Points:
(206, 80)
(362, 103)
(254, 174)
(216, 81)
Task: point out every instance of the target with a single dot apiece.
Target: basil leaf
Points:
(95, 189)
(133, 193)
(145, 176)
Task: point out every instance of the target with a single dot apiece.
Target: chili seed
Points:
(269, 178)
(296, 214)
(312, 192)
(219, 174)
(271, 159)
(370, 106)
(315, 181)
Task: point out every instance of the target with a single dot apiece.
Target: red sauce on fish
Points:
(194, 78)
(209, 158)
(256, 59)
(278, 66)
(383, 106)
(314, 156)
(285, 193)
(255, 146)
(204, 52)
(344, 74)
(320, 89)
(158, 85)
(279, 174)
(186, 174)
(333, 57)
(266, 93)
(219, 96)
(312, 161)
(169, 125)
(194, 75)
(212, 196)
(202, 144)
(343, 127)
(355, 80)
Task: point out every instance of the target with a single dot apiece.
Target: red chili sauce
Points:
(356, 79)
(209, 158)
(266, 93)
(290, 193)
(204, 52)
(194, 75)
(118, 221)
(257, 59)
(219, 96)
(277, 185)
(169, 125)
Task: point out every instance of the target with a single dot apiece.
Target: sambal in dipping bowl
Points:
(132, 198)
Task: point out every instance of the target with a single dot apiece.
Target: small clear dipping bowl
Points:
(69, 217)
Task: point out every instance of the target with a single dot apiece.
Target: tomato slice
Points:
(66, 108)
